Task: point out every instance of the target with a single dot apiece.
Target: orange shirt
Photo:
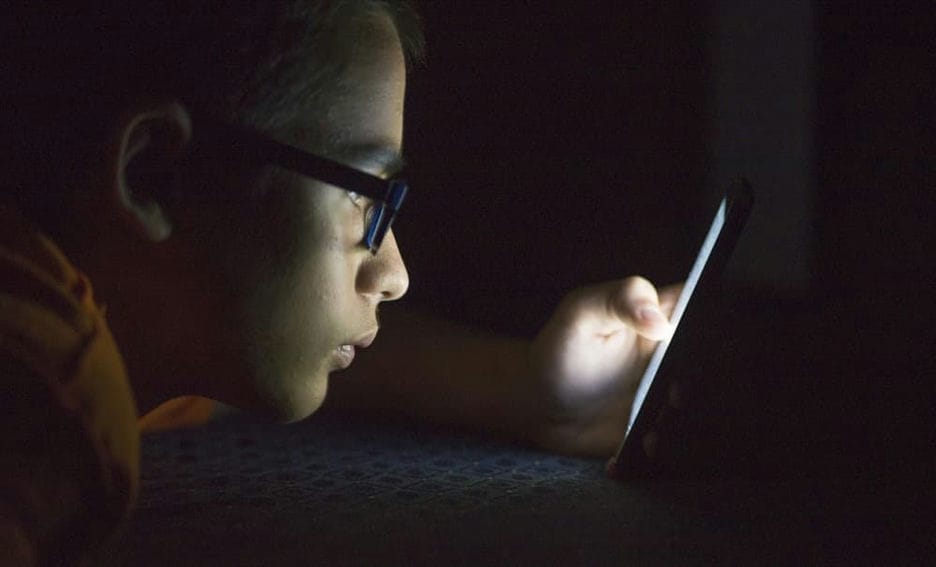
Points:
(70, 447)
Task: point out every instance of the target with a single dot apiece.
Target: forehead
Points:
(362, 104)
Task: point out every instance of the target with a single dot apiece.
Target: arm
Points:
(569, 390)
(435, 370)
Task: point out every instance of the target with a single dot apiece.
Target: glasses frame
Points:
(387, 194)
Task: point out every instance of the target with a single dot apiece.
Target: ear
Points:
(149, 145)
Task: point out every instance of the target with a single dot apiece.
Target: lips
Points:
(364, 341)
(344, 354)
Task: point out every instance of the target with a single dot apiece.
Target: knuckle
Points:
(637, 288)
(635, 283)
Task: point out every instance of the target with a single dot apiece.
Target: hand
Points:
(588, 359)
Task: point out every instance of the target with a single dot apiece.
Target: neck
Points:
(160, 304)
(153, 374)
(136, 309)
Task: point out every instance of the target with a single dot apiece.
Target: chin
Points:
(283, 393)
(299, 402)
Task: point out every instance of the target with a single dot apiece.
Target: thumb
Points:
(638, 305)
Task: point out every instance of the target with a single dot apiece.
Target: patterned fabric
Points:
(342, 466)
(334, 490)
(338, 490)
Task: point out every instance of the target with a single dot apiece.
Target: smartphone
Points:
(631, 460)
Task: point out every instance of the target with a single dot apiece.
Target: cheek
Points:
(314, 296)
(275, 294)
(302, 309)
(307, 277)
(308, 317)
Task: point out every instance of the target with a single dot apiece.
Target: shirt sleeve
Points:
(179, 413)
(69, 447)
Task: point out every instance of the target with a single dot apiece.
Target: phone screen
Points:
(650, 394)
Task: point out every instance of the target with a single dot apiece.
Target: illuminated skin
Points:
(307, 311)
(589, 358)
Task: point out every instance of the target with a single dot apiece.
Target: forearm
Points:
(441, 372)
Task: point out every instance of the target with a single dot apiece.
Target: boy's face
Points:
(290, 287)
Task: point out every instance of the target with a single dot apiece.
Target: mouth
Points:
(344, 354)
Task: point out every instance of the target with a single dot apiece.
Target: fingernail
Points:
(651, 314)
(659, 327)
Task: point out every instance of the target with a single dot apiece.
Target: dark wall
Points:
(557, 144)
(553, 144)
(877, 171)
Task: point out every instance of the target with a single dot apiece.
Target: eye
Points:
(357, 199)
(364, 205)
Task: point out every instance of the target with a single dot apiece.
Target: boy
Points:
(146, 156)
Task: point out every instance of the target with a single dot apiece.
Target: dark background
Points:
(558, 144)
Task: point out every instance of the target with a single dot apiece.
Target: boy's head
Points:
(240, 281)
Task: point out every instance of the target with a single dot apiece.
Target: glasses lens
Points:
(384, 214)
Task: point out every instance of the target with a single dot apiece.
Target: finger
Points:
(637, 303)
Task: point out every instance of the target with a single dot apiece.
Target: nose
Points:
(383, 276)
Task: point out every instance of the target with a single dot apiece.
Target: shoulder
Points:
(68, 419)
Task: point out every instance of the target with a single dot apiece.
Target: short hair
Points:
(248, 62)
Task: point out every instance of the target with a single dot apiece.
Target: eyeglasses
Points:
(387, 195)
